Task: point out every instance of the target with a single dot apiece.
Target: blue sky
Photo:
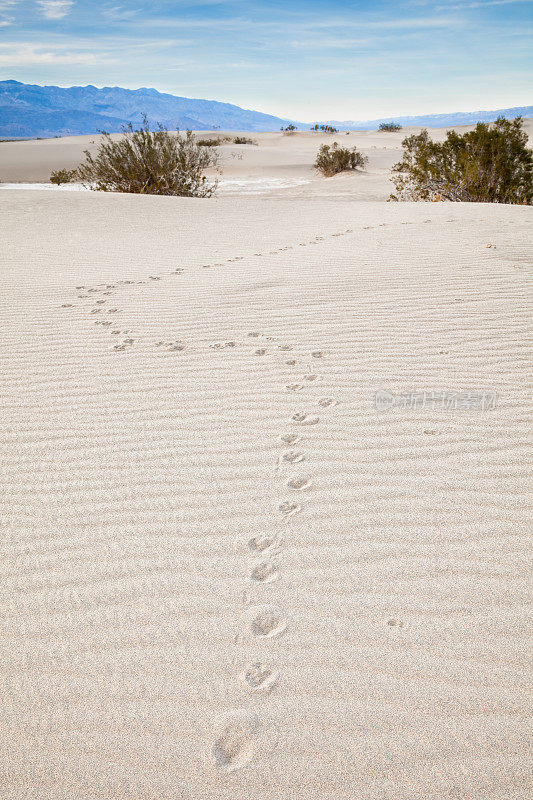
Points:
(304, 59)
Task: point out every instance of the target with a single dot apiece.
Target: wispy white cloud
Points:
(13, 54)
(121, 13)
(5, 7)
(409, 23)
(479, 4)
(55, 9)
(334, 42)
(297, 24)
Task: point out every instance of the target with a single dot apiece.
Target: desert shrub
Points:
(324, 128)
(491, 164)
(332, 159)
(62, 176)
(243, 140)
(289, 129)
(149, 162)
(213, 142)
(390, 127)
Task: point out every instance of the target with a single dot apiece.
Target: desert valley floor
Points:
(226, 573)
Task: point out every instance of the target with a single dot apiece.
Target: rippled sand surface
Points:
(227, 573)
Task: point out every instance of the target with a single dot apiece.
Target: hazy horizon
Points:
(307, 122)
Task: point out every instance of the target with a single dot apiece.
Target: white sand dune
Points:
(226, 574)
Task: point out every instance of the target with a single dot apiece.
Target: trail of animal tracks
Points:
(226, 573)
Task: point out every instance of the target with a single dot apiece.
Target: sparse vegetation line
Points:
(324, 128)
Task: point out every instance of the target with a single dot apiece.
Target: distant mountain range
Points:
(436, 120)
(29, 110)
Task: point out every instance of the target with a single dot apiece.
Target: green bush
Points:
(332, 159)
(290, 128)
(243, 140)
(149, 162)
(490, 164)
(213, 142)
(63, 176)
(390, 127)
(324, 128)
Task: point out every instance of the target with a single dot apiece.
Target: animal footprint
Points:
(221, 345)
(265, 572)
(126, 343)
(235, 741)
(260, 352)
(325, 402)
(318, 354)
(254, 334)
(292, 457)
(397, 623)
(304, 419)
(290, 438)
(285, 347)
(261, 543)
(300, 484)
(267, 622)
(291, 362)
(177, 346)
(289, 509)
(311, 377)
(260, 677)
(294, 387)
